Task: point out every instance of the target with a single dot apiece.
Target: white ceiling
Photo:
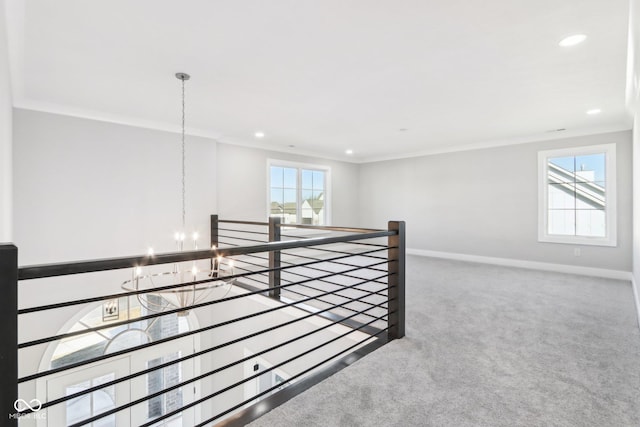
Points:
(328, 75)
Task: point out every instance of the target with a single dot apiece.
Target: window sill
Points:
(579, 240)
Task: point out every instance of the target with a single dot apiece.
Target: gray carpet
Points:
(490, 346)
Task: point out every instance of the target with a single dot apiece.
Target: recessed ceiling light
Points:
(594, 111)
(259, 134)
(572, 40)
(349, 151)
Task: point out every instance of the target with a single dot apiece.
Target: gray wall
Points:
(6, 137)
(87, 189)
(485, 202)
(242, 184)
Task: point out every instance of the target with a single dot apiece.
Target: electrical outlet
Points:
(576, 251)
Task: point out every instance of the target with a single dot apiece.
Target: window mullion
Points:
(299, 196)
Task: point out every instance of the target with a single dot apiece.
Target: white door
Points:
(88, 405)
(145, 385)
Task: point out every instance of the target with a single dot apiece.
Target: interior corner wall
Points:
(242, 184)
(6, 135)
(633, 100)
(86, 189)
(485, 203)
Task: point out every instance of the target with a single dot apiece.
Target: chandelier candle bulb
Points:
(137, 272)
(214, 264)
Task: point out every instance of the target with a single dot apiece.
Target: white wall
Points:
(88, 189)
(242, 184)
(6, 137)
(485, 203)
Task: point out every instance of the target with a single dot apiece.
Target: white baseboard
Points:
(636, 295)
(532, 265)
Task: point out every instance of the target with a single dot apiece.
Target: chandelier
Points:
(216, 278)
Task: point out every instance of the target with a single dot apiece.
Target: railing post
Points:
(396, 267)
(274, 258)
(9, 332)
(214, 240)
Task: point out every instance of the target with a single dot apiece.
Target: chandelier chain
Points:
(183, 162)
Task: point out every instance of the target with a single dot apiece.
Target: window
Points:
(91, 404)
(578, 195)
(298, 193)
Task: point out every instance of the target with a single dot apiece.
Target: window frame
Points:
(299, 166)
(610, 211)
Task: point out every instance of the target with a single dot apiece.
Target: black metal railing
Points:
(305, 302)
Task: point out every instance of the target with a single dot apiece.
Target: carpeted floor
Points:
(490, 346)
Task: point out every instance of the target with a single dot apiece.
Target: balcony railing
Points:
(305, 302)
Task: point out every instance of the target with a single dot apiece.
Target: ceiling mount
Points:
(183, 76)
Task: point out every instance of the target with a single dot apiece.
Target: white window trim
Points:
(610, 190)
(299, 165)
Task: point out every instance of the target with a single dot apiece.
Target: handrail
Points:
(91, 266)
(307, 226)
(330, 228)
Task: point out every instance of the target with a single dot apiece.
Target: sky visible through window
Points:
(592, 162)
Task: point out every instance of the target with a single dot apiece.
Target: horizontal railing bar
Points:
(172, 338)
(369, 293)
(199, 401)
(379, 245)
(220, 243)
(353, 254)
(235, 230)
(157, 289)
(233, 221)
(369, 267)
(244, 239)
(343, 252)
(351, 276)
(288, 380)
(349, 300)
(63, 269)
(209, 350)
(364, 254)
(350, 323)
(331, 228)
(309, 277)
(343, 287)
(197, 378)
